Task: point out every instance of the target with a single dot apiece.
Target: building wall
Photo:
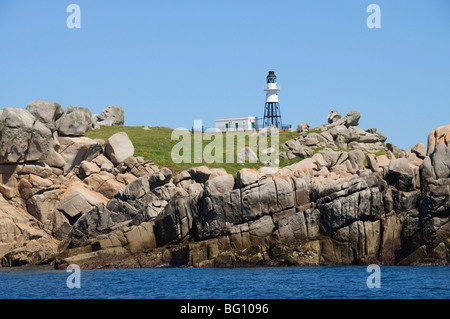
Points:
(243, 123)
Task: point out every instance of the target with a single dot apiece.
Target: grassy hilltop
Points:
(156, 145)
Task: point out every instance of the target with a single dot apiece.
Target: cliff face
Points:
(397, 212)
(67, 200)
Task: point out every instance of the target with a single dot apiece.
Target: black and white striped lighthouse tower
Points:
(272, 115)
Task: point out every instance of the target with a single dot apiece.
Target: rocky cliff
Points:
(351, 200)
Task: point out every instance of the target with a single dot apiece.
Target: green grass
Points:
(156, 145)
(286, 136)
(318, 131)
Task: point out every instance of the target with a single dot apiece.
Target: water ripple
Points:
(234, 283)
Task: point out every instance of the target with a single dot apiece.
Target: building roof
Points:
(236, 118)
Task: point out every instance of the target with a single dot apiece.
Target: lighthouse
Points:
(272, 115)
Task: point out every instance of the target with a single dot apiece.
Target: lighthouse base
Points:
(272, 115)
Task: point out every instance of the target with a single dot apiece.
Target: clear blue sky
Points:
(171, 62)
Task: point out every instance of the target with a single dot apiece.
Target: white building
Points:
(233, 124)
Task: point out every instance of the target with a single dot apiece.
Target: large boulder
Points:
(22, 137)
(75, 150)
(400, 175)
(45, 111)
(182, 176)
(200, 174)
(89, 168)
(119, 147)
(357, 134)
(43, 206)
(138, 202)
(312, 139)
(104, 163)
(91, 224)
(8, 178)
(439, 151)
(54, 159)
(356, 158)
(219, 185)
(103, 182)
(94, 125)
(247, 176)
(351, 119)
(340, 130)
(79, 199)
(420, 150)
(358, 198)
(22, 239)
(112, 115)
(75, 121)
(303, 127)
(333, 116)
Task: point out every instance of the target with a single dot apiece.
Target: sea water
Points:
(228, 283)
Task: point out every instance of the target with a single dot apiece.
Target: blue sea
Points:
(231, 283)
